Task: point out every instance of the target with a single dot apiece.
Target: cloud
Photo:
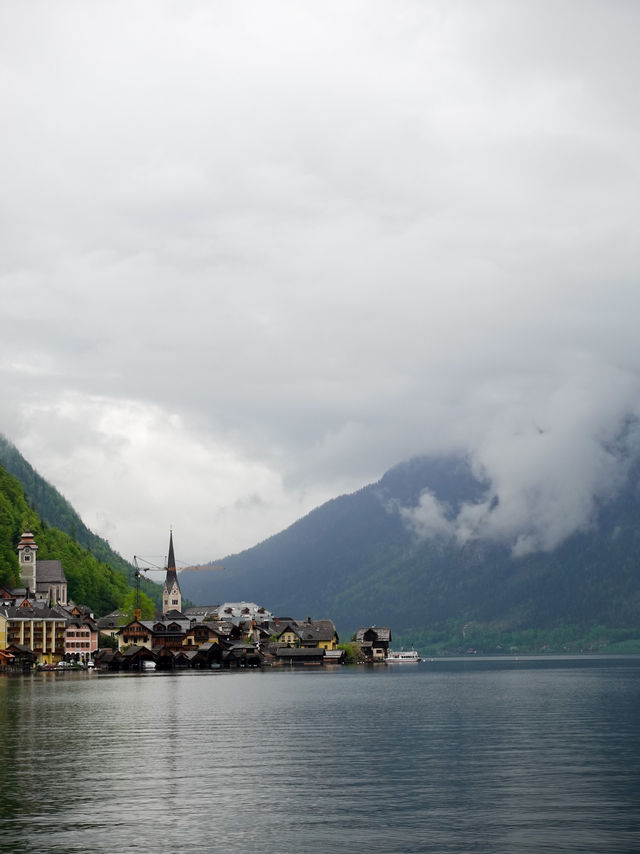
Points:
(324, 237)
(548, 461)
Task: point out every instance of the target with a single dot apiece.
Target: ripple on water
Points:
(431, 760)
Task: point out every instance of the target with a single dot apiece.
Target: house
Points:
(201, 633)
(287, 634)
(320, 634)
(135, 633)
(374, 642)
(81, 638)
(241, 655)
(109, 625)
(309, 633)
(169, 632)
(208, 656)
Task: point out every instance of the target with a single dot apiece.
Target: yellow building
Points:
(317, 634)
(136, 633)
(288, 635)
(312, 634)
(42, 630)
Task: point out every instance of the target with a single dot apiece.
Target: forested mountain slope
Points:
(96, 575)
(355, 559)
(54, 509)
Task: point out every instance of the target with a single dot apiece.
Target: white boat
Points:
(408, 655)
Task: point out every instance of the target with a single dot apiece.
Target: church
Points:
(42, 579)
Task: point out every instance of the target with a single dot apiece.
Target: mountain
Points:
(357, 560)
(96, 575)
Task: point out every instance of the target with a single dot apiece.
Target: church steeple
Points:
(171, 594)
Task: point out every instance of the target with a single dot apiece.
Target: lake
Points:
(498, 755)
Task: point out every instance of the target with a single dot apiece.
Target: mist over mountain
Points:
(439, 545)
(437, 541)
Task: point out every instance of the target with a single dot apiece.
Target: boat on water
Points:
(402, 656)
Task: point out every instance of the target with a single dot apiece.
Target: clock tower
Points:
(27, 558)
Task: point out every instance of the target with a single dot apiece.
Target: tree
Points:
(128, 607)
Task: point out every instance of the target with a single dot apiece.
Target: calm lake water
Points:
(450, 756)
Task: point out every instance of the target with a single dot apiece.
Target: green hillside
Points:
(97, 576)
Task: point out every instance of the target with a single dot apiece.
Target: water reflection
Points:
(446, 758)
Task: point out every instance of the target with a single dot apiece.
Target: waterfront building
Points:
(81, 638)
(374, 642)
(40, 630)
(201, 633)
(310, 634)
(136, 633)
(287, 633)
(318, 634)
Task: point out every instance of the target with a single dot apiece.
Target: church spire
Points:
(171, 561)
(171, 594)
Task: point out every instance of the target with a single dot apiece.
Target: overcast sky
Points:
(255, 253)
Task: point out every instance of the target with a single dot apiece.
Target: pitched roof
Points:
(301, 652)
(12, 612)
(172, 575)
(50, 572)
(316, 630)
(379, 633)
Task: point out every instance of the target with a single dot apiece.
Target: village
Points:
(41, 628)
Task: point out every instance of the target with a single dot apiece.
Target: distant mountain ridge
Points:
(356, 560)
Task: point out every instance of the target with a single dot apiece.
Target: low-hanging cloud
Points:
(315, 240)
(547, 466)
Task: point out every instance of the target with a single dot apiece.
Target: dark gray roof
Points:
(20, 593)
(15, 613)
(302, 652)
(50, 572)
(22, 651)
(162, 626)
(106, 655)
(135, 650)
(380, 633)
(201, 611)
(108, 622)
(290, 625)
(316, 630)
